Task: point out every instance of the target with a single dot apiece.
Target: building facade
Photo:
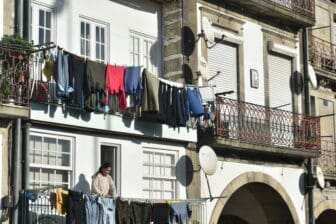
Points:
(265, 123)
(253, 56)
(321, 52)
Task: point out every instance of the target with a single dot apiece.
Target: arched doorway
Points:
(255, 203)
(254, 198)
(327, 217)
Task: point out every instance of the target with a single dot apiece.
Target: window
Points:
(85, 39)
(159, 177)
(144, 51)
(93, 37)
(42, 24)
(50, 160)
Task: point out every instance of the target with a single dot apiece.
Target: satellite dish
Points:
(187, 73)
(208, 30)
(312, 76)
(208, 159)
(320, 177)
(188, 41)
(297, 83)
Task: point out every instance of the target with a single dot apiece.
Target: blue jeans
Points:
(107, 208)
(63, 75)
(91, 208)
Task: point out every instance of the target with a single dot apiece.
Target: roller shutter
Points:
(280, 95)
(223, 58)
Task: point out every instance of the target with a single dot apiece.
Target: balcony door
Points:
(280, 100)
(223, 75)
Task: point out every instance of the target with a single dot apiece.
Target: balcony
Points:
(322, 54)
(14, 83)
(246, 126)
(295, 13)
(327, 160)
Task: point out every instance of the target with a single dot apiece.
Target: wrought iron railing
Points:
(301, 7)
(36, 206)
(14, 77)
(262, 125)
(322, 54)
(327, 160)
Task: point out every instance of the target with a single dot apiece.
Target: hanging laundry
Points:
(194, 103)
(76, 208)
(115, 84)
(91, 209)
(181, 109)
(164, 102)
(106, 210)
(150, 98)
(61, 201)
(180, 213)
(49, 69)
(62, 78)
(76, 77)
(160, 213)
(123, 212)
(141, 212)
(172, 105)
(94, 85)
(132, 82)
(207, 94)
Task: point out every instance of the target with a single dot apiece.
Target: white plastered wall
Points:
(86, 159)
(253, 59)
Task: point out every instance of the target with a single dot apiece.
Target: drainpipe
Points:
(19, 17)
(26, 25)
(16, 169)
(25, 149)
(310, 181)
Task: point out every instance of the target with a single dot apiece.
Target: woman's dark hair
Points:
(105, 165)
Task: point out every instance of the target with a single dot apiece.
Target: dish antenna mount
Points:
(208, 162)
(208, 33)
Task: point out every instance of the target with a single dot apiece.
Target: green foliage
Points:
(16, 43)
(5, 89)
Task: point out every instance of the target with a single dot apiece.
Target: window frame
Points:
(35, 25)
(69, 169)
(94, 24)
(160, 177)
(144, 53)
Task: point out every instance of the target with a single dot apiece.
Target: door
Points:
(111, 154)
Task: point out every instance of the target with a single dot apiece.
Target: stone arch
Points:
(252, 177)
(324, 205)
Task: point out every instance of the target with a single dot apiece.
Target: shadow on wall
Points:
(82, 185)
(184, 170)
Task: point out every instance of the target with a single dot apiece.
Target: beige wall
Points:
(5, 182)
(8, 17)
